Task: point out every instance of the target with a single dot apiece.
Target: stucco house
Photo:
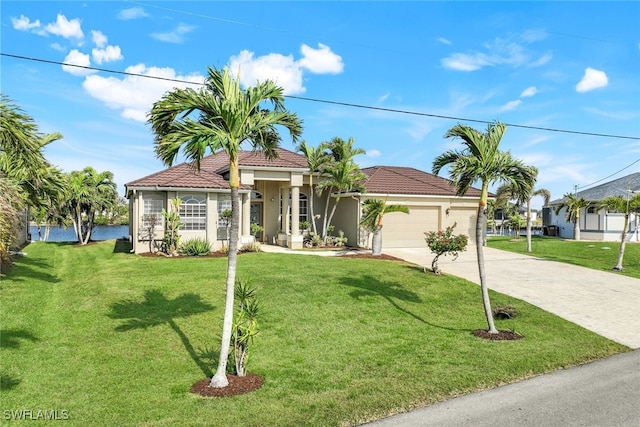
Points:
(600, 224)
(275, 194)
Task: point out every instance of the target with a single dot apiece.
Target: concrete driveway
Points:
(606, 303)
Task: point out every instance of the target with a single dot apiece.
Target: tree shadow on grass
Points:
(369, 286)
(122, 246)
(12, 339)
(26, 267)
(156, 310)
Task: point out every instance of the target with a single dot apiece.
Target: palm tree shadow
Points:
(368, 286)
(156, 310)
(10, 338)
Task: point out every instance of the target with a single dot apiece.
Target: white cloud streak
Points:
(176, 36)
(592, 79)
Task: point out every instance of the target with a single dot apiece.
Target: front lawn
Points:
(596, 255)
(115, 339)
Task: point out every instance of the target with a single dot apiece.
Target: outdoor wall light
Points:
(447, 211)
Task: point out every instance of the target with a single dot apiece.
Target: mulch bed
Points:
(368, 255)
(237, 385)
(500, 336)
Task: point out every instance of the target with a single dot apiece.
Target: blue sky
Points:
(542, 67)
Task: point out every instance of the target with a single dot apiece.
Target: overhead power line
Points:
(324, 101)
(607, 177)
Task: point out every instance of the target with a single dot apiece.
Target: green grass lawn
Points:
(596, 255)
(116, 339)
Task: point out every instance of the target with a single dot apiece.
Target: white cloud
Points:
(511, 105)
(76, 57)
(592, 79)
(283, 70)
(528, 92)
(321, 60)
(109, 54)
(58, 47)
(99, 39)
(24, 23)
(444, 41)
(383, 98)
(373, 153)
(132, 13)
(176, 36)
(512, 51)
(133, 95)
(66, 28)
(465, 62)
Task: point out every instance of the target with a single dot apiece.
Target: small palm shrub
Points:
(245, 325)
(251, 247)
(195, 247)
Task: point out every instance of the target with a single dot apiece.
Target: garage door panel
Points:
(407, 230)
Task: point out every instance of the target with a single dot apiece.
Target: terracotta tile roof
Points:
(182, 176)
(404, 180)
(212, 167)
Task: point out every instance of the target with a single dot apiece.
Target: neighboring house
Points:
(270, 188)
(600, 224)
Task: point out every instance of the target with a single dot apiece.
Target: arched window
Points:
(193, 211)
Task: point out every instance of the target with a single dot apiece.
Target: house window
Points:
(303, 214)
(193, 212)
(592, 209)
(256, 195)
(152, 212)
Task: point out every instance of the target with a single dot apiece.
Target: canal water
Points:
(100, 232)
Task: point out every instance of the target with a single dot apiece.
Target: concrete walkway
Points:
(606, 303)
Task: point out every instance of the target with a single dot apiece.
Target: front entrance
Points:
(256, 218)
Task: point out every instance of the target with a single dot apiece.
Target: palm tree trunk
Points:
(324, 219)
(313, 216)
(576, 229)
(529, 225)
(483, 277)
(376, 241)
(623, 239)
(333, 211)
(219, 379)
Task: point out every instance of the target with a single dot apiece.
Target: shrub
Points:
(443, 243)
(251, 247)
(195, 247)
(245, 325)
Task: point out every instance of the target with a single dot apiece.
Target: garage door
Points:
(466, 221)
(407, 230)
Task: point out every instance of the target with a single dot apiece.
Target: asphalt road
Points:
(600, 394)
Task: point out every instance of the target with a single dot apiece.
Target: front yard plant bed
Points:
(117, 339)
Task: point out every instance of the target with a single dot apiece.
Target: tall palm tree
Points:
(222, 116)
(546, 195)
(481, 160)
(342, 175)
(620, 204)
(574, 205)
(317, 158)
(88, 193)
(374, 210)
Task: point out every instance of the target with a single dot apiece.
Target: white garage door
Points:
(407, 230)
(466, 222)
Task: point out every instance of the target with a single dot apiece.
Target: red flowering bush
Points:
(443, 242)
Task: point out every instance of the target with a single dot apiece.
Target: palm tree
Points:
(317, 158)
(628, 206)
(508, 192)
(480, 160)
(574, 205)
(88, 193)
(374, 210)
(342, 175)
(26, 178)
(227, 117)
